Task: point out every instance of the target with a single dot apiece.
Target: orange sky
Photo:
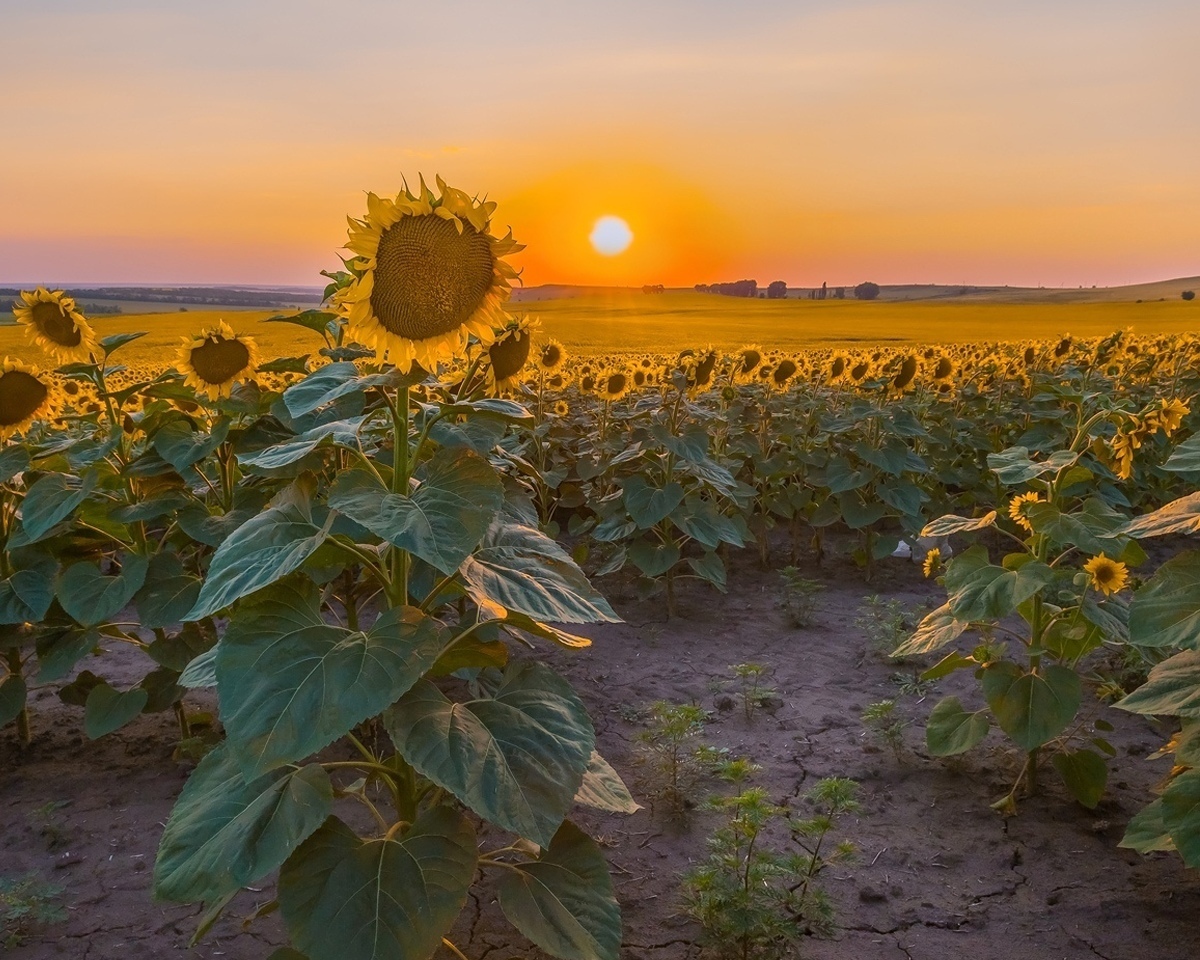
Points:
(893, 141)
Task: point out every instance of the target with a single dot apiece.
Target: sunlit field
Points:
(663, 323)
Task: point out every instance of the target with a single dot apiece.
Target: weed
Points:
(751, 677)
(887, 623)
(669, 748)
(44, 819)
(885, 726)
(912, 684)
(752, 898)
(799, 597)
(26, 902)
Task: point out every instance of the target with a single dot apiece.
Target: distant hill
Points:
(1157, 290)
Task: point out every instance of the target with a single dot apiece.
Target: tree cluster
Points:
(735, 288)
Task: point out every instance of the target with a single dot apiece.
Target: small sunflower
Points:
(1107, 576)
(782, 375)
(54, 323)
(215, 359)
(933, 562)
(551, 357)
(25, 396)
(561, 408)
(1016, 509)
(508, 355)
(429, 274)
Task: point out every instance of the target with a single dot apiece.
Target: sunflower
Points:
(551, 357)
(783, 374)
(1107, 576)
(53, 322)
(612, 386)
(908, 371)
(745, 362)
(943, 369)
(25, 396)
(1016, 508)
(428, 274)
(561, 408)
(933, 562)
(215, 359)
(508, 355)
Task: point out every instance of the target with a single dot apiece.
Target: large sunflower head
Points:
(613, 385)
(509, 353)
(54, 323)
(746, 361)
(428, 274)
(216, 359)
(551, 357)
(25, 396)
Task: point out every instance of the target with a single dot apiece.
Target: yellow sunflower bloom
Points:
(216, 359)
(1016, 509)
(612, 386)
(551, 357)
(933, 562)
(25, 396)
(746, 361)
(54, 323)
(561, 408)
(508, 355)
(429, 275)
(1107, 576)
(783, 374)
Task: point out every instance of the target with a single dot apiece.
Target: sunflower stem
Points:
(400, 478)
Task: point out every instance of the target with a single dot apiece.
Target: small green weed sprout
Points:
(753, 899)
(799, 597)
(751, 678)
(25, 903)
(885, 726)
(887, 623)
(676, 762)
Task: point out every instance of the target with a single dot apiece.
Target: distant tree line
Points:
(212, 296)
(652, 288)
(735, 288)
(778, 290)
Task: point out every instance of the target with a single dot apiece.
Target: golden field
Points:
(635, 322)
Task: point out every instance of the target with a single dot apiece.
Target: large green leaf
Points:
(522, 569)
(949, 524)
(290, 683)
(1178, 516)
(981, 591)
(50, 500)
(516, 759)
(1014, 466)
(168, 593)
(339, 432)
(108, 709)
(648, 504)
(14, 459)
(1172, 689)
(603, 788)
(344, 898)
(264, 549)
(1032, 708)
(951, 729)
(25, 597)
(564, 901)
(935, 631)
(1146, 833)
(225, 833)
(182, 446)
(1085, 773)
(13, 691)
(90, 597)
(1166, 611)
(1181, 815)
(443, 520)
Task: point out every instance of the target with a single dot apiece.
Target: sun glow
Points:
(611, 236)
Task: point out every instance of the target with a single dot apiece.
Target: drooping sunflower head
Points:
(54, 323)
(943, 368)
(1017, 507)
(428, 275)
(1107, 576)
(509, 353)
(907, 372)
(215, 359)
(783, 374)
(746, 361)
(551, 357)
(933, 563)
(25, 396)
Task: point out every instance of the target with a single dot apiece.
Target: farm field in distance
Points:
(625, 321)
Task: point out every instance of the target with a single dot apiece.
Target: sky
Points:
(1029, 143)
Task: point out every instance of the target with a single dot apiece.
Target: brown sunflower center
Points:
(1104, 573)
(508, 355)
(750, 360)
(220, 360)
(21, 396)
(616, 383)
(551, 355)
(785, 371)
(55, 325)
(429, 278)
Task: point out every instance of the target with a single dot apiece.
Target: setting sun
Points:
(611, 236)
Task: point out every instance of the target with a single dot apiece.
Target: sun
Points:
(610, 236)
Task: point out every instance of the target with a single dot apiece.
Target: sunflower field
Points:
(369, 545)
